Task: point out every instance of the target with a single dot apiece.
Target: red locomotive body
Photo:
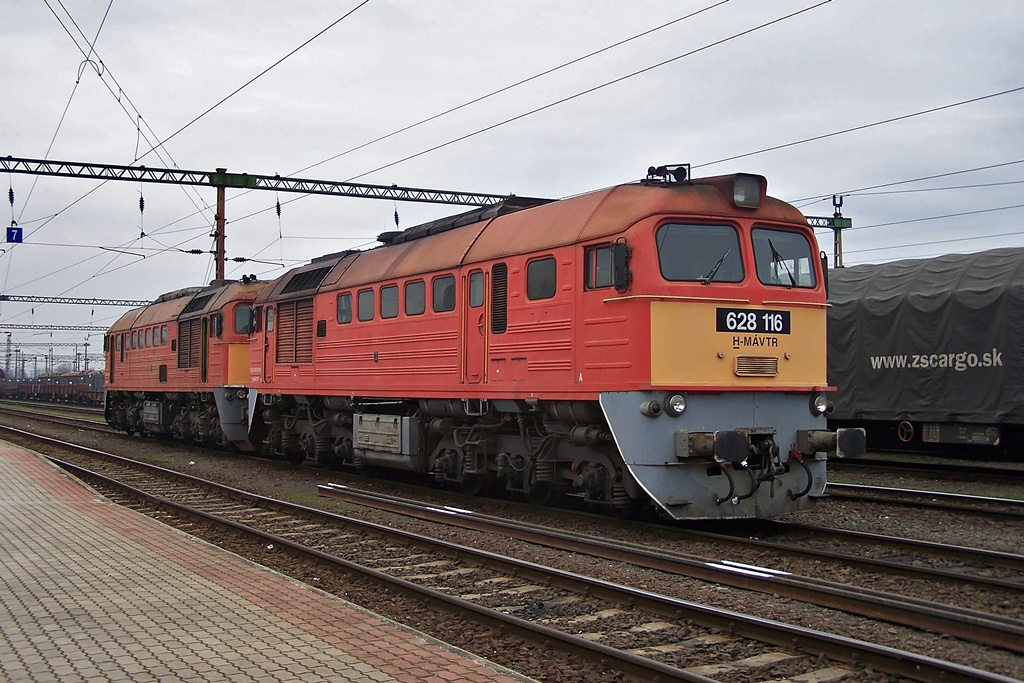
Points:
(179, 366)
(663, 341)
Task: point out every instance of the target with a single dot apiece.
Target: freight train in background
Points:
(926, 354)
(86, 387)
(655, 344)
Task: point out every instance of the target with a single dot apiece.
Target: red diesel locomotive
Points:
(179, 366)
(660, 342)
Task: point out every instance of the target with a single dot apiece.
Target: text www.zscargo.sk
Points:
(958, 361)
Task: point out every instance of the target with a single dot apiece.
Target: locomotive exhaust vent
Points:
(757, 366)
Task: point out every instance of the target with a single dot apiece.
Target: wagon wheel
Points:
(905, 431)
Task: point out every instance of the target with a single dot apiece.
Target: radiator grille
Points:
(499, 298)
(757, 366)
(188, 343)
(295, 331)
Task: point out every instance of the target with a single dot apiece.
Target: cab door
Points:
(475, 327)
(269, 343)
(112, 353)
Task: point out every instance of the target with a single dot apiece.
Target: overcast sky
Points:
(714, 90)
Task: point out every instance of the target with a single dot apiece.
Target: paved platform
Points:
(90, 591)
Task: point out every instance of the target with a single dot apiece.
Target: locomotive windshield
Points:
(243, 319)
(783, 258)
(699, 253)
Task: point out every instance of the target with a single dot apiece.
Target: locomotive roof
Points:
(494, 234)
(185, 303)
(974, 280)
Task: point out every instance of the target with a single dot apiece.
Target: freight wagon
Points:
(926, 352)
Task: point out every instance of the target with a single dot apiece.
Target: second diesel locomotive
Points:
(660, 342)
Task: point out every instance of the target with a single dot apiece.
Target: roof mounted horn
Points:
(669, 173)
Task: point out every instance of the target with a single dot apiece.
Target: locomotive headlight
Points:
(747, 191)
(819, 404)
(675, 405)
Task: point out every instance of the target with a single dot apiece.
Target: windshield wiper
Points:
(714, 269)
(777, 257)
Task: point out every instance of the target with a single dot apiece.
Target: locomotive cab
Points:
(732, 422)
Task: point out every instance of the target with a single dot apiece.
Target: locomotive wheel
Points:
(543, 493)
(905, 431)
(328, 461)
(363, 468)
(624, 507)
(472, 484)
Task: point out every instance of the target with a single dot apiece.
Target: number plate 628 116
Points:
(751, 321)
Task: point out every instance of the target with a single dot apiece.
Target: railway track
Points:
(994, 471)
(536, 603)
(1005, 631)
(1007, 507)
(62, 414)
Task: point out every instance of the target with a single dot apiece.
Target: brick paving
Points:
(91, 591)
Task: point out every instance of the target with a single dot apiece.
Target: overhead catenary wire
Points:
(960, 214)
(120, 96)
(279, 231)
(944, 188)
(590, 90)
(930, 243)
(138, 117)
(71, 97)
(906, 182)
(490, 94)
(60, 123)
(259, 75)
(972, 238)
(516, 84)
(865, 126)
(159, 145)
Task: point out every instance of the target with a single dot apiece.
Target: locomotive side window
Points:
(257, 319)
(344, 308)
(597, 267)
(540, 278)
(444, 294)
(699, 253)
(415, 297)
(270, 318)
(163, 335)
(476, 289)
(149, 337)
(389, 301)
(117, 342)
(364, 305)
(783, 259)
(217, 321)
